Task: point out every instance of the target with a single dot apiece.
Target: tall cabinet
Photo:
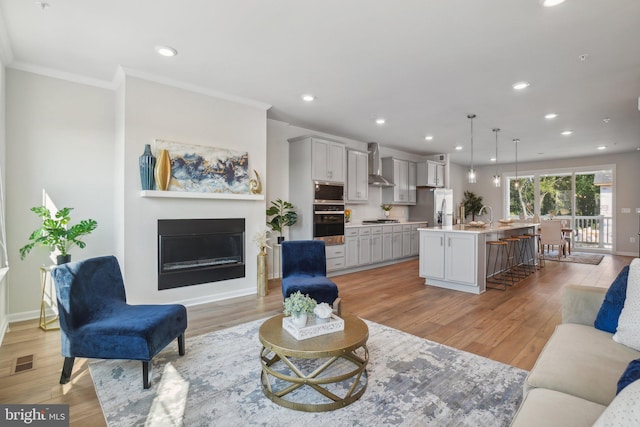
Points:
(357, 190)
(403, 173)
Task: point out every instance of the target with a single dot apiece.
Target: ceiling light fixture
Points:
(496, 177)
(429, 138)
(602, 147)
(551, 3)
(472, 172)
(521, 85)
(166, 51)
(308, 97)
(381, 121)
(566, 132)
(550, 116)
(459, 147)
(606, 119)
(516, 184)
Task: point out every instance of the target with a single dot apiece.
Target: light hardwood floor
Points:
(510, 326)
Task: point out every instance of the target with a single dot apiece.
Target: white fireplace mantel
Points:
(192, 195)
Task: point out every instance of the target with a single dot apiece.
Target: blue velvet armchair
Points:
(96, 321)
(304, 269)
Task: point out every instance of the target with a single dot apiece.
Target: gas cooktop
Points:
(381, 221)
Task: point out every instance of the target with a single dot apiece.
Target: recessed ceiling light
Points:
(602, 147)
(551, 3)
(459, 147)
(566, 132)
(308, 97)
(493, 159)
(521, 85)
(606, 120)
(380, 121)
(550, 116)
(166, 51)
(429, 137)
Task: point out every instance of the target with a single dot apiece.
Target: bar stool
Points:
(539, 261)
(502, 255)
(526, 254)
(513, 250)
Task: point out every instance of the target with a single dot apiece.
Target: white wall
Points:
(59, 139)
(4, 319)
(157, 111)
(627, 195)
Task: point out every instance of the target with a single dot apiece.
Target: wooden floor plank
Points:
(510, 326)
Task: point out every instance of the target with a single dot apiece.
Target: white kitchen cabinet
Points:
(406, 240)
(357, 176)
(351, 247)
(364, 246)
(387, 242)
(396, 248)
(402, 174)
(335, 257)
(376, 245)
(415, 238)
(327, 160)
(430, 174)
(449, 257)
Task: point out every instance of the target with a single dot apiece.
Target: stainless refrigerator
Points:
(434, 205)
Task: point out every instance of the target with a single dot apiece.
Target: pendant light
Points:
(496, 177)
(517, 183)
(472, 171)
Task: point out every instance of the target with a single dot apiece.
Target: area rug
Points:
(412, 382)
(577, 257)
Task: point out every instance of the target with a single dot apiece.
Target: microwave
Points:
(328, 193)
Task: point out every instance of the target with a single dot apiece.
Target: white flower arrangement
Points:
(297, 303)
(323, 310)
(261, 238)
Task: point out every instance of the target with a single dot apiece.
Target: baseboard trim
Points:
(3, 328)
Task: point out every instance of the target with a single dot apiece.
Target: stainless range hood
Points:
(375, 167)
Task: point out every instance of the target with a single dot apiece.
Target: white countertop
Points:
(360, 224)
(464, 228)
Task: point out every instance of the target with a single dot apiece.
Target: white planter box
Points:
(313, 329)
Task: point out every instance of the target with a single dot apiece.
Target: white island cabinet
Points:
(454, 257)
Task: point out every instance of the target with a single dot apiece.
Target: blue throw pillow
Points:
(607, 319)
(630, 374)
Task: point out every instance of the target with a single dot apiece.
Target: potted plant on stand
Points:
(56, 234)
(284, 215)
(299, 306)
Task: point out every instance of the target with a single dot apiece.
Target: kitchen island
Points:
(455, 257)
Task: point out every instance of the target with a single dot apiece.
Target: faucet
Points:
(484, 208)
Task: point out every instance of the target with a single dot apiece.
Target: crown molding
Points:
(194, 88)
(62, 75)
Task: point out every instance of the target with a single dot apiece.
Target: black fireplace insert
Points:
(195, 251)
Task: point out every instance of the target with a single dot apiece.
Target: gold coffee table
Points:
(338, 364)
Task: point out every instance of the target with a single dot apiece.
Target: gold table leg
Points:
(46, 324)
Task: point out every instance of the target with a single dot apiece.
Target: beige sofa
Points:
(576, 375)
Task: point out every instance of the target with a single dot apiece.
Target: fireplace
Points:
(195, 251)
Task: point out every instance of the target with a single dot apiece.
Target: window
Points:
(521, 196)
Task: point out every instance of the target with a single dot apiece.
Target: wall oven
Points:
(328, 213)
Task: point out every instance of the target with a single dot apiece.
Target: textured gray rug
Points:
(577, 257)
(412, 382)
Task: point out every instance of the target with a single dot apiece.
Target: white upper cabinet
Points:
(328, 160)
(357, 176)
(403, 174)
(430, 174)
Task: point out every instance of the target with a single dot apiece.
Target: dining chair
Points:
(551, 235)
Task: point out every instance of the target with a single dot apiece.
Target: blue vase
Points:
(147, 165)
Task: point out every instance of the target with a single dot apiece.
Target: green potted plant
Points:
(283, 215)
(472, 204)
(55, 233)
(386, 208)
(299, 306)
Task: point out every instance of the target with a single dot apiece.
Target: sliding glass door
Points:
(582, 199)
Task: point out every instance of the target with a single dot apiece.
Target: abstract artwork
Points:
(205, 169)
